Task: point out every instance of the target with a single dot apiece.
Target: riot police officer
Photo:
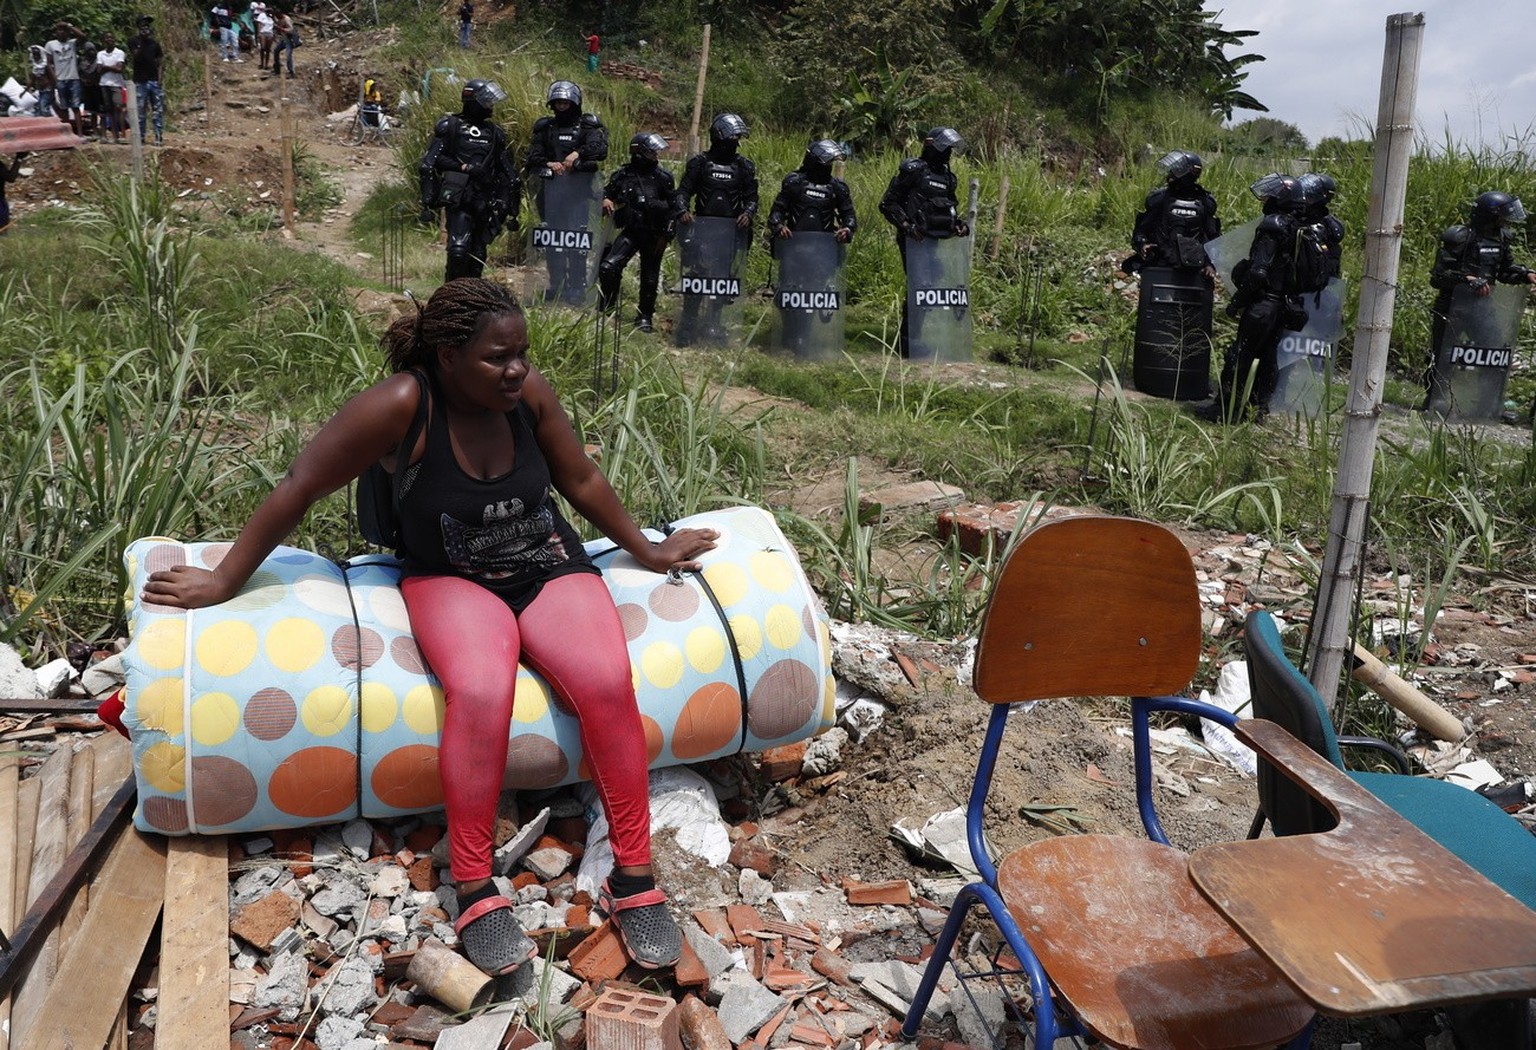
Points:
(468, 171)
(1284, 261)
(642, 198)
(1320, 189)
(812, 198)
(1477, 254)
(565, 142)
(1176, 220)
(921, 200)
(718, 182)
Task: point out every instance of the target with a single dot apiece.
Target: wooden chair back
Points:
(1091, 606)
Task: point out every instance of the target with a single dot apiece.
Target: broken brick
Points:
(624, 1020)
(600, 956)
(782, 763)
(700, 1026)
(689, 971)
(715, 923)
(743, 919)
(748, 853)
(895, 891)
(578, 917)
(421, 873)
(259, 923)
(424, 838)
(524, 879)
(831, 966)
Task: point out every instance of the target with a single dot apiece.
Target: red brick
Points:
(300, 855)
(520, 1038)
(748, 853)
(600, 956)
(765, 1033)
(524, 879)
(715, 924)
(625, 1020)
(743, 919)
(701, 1026)
(782, 763)
(391, 1013)
(383, 844)
(811, 1035)
(896, 891)
(422, 875)
(831, 966)
(689, 971)
(578, 917)
(424, 838)
(259, 923)
(569, 830)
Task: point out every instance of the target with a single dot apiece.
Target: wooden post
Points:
(1329, 642)
(698, 94)
(1002, 213)
(286, 123)
(135, 140)
(207, 90)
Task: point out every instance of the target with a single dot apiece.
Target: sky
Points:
(1477, 68)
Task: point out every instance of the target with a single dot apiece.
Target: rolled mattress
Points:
(304, 699)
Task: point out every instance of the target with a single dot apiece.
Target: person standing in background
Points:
(64, 60)
(594, 47)
(466, 22)
(265, 31)
(221, 20)
(147, 57)
(112, 61)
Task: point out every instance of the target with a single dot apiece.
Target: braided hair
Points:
(454, 315)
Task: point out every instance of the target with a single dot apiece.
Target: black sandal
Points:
(492, 937)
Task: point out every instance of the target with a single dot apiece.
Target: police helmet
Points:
(727, 126)
(945, 139)
(826, 151)
(1497, 208)
(647, 144)
(1180, 164)
(563, 91)
(483, 93)
(1283, 190)
(1319, 188)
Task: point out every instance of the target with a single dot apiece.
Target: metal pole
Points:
(1329, 643)
(135, 140)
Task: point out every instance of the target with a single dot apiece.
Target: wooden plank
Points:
(8, 807)
(114, 764)
(81, 780)
(48, 849)
(91, 986)
(27, 795)
(194, 943)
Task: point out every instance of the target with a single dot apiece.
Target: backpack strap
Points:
(412, 434)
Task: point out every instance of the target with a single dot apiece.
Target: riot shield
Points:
(1229, 249)
(712, 252)
(939, 299)
(810, 294)
(1173, 334)
(568, 239)
(1473, 359)
(1304, 359)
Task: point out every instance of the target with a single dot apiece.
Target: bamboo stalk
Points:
(1002, 214)
(698, 94)
(1329, 641)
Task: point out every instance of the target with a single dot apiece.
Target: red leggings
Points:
(571, 635)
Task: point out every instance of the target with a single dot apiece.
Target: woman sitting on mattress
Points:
(493, 573)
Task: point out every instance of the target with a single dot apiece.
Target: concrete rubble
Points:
(324, 921)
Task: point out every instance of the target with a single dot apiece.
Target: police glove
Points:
(962, 229)
(912, 231)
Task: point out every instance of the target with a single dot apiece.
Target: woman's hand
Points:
(186, 587)
(678, 551)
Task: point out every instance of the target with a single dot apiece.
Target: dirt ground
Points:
(1066, 765)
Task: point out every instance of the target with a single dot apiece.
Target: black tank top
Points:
(503, 533)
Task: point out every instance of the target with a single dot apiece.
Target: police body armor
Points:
(812, 205)
(1304, 359)
(645, 201)
(1473, 358)
(939, 298)
(1180, 232)
(720, 188)
(811, 293)
(934, 208)
(471, 144)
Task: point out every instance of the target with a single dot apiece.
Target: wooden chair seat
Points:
(1142, 958)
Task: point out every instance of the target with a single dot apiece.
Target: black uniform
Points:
(921, 201)
(1176, 221)
(646, 206)
(468, 171)
(554, 138)
(1286, 260)
(812, 200)
(719, 183)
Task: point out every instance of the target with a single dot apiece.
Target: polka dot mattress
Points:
(304, 699)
